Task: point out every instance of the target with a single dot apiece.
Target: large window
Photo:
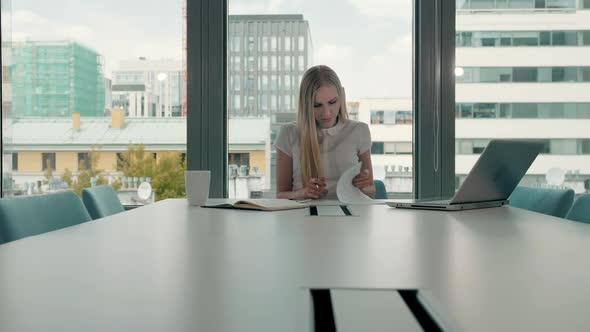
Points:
(391, 117)
(524, 74)
(369, 45)
(90, 91)
(48, 161)
(523, 110)
(522, 38)
(474, 5)
(537, 91)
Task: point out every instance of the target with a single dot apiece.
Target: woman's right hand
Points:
(315, 188)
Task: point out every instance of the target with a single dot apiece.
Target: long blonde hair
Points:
(309, 148)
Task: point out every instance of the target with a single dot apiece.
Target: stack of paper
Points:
(348, 193)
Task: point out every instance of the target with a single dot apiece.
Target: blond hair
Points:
(309, 148)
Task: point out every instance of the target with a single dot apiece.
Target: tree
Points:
(168, 180)
(167, 174)
(136, 162)
(82, 180)
(67, 177)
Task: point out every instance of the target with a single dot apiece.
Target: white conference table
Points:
(171, 267)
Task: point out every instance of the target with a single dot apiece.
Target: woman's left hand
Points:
(363, 179)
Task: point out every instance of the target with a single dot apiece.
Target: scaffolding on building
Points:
(56, 79)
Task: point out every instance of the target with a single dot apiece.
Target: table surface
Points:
(172, 267)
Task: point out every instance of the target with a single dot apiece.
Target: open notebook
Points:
(254, 204)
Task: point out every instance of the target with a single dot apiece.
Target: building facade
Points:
(65, 143)
(55, 79)
(267, 56)
(523, 72)
(148, 88)
(525, 69)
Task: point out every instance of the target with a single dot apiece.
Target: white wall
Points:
(523, 21)
(521, 56)
(522, 128)
(523, 92)
(464, 163)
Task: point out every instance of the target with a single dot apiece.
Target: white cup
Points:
(197, 186)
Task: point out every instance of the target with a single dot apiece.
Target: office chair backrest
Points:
(554, 202)
(380, 191)
(580, 210)
(32, 215)
(101, 201)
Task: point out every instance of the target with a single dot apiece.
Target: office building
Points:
(56, 78)
(267, 56)
(390, 122)
(525, 74)
(148, 88)
(523, 71)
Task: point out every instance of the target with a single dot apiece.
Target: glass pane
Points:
(462, 4)
(561, 3)
(90, 95)
(524, 110)
(558, 74)
(525, 74)
(545, 74)
(521, 4)
(484, 110)
(525, 39)
(389, 117)
(371, 53)
(563, 146)
(533, 93)
(558, 38)
(545, 38)
(482, 4)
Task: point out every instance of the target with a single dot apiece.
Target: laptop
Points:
(495, 175)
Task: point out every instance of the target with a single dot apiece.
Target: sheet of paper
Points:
(348, 193)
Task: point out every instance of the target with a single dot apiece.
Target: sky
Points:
(367, 42)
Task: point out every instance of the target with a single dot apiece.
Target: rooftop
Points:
(97, 131)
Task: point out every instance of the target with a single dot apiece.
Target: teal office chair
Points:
(101, 201)
(380, 191)
(554, 202)
(21, 217)
(580, 210)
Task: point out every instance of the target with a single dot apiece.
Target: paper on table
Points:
(348, 193)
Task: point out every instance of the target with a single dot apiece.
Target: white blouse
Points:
(340, 148)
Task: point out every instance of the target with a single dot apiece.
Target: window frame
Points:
(433, 86)
(87, 162)
(53, 161)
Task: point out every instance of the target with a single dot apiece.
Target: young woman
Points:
(313, 153)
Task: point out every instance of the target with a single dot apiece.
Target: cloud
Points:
(401, 9)
(402, 44)
(387, 72)
(330, 52)
(29, 25)
(256, 8)
(119, 38)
